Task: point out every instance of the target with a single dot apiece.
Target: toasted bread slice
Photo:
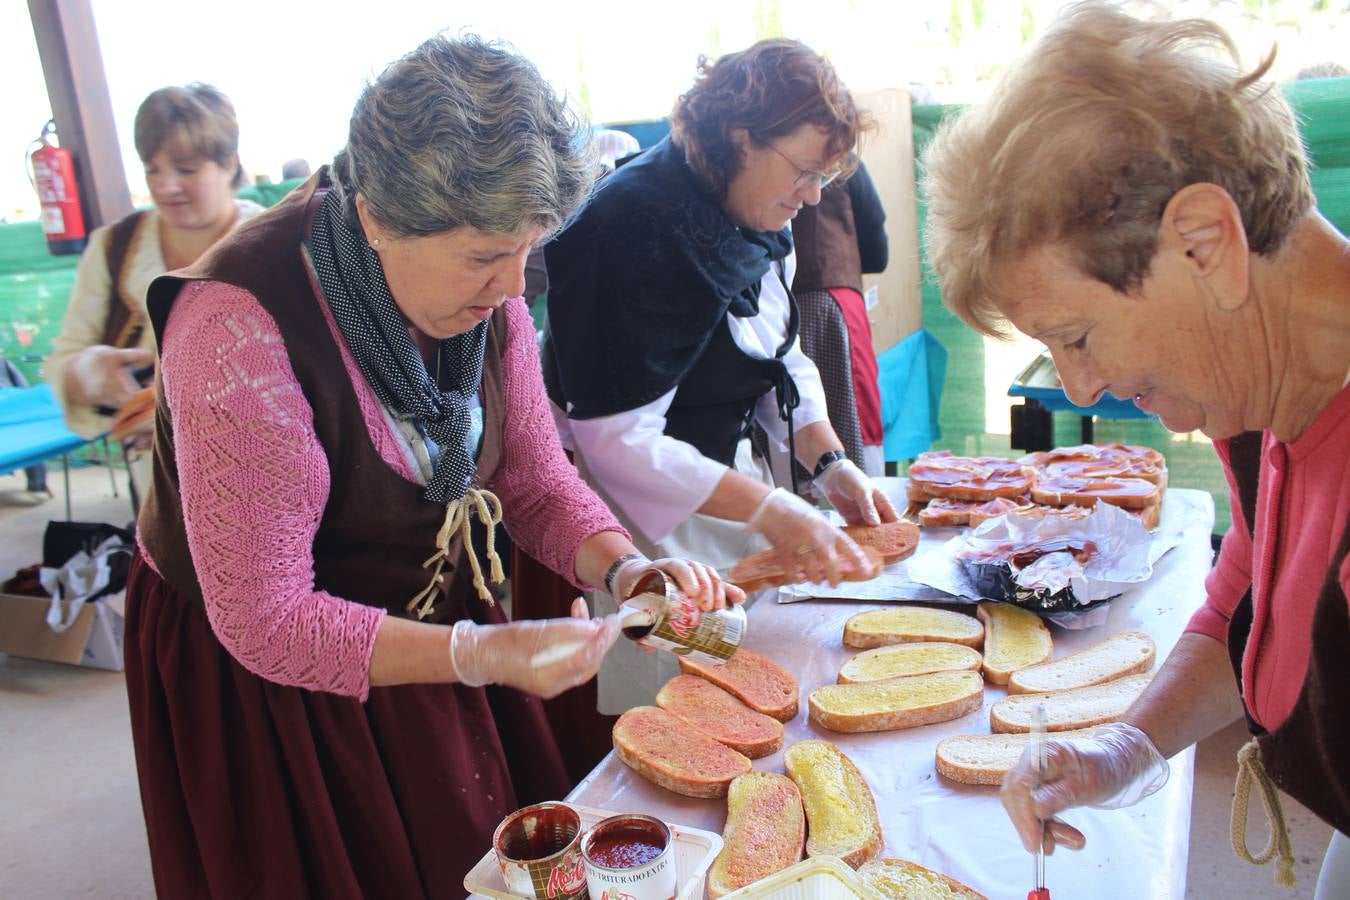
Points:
(757, 681)
(668, 753)
(896, 703)
(1066, 490)
(764, 834)
(1150, 515)
(133, 415)
(900, 879)
(765, 570)
(1127, 653)
(705, 706)
(841, 813)
(1069, 710)
(903, 624)
(908, 659)
(893, 540)
(1014, 638)
(985, 758)
(969, 477)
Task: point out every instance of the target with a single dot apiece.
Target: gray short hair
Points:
(464, 131)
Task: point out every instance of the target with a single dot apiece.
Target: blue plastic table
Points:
(32, 430)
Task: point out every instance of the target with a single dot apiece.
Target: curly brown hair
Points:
(770, 89)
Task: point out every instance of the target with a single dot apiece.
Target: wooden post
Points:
(72, 65)
(889, 154)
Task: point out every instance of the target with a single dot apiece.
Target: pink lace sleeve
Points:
(548, 509)
(254, 481)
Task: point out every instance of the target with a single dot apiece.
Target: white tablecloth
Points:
(959, 829)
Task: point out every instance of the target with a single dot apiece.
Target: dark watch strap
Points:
(614, 570)
(826, 459)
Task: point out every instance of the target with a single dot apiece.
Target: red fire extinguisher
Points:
(54, 178)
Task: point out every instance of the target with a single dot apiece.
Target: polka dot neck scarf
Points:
(353, 283)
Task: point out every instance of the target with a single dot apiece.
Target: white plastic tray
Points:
(816, 878)
(695, 851)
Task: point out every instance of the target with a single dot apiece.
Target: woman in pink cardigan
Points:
(326, 698)
(1141, 204)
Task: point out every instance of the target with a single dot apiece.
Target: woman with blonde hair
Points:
(188, 139)
(1136, 200)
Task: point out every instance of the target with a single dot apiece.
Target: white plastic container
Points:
(816, 878)
(695, 850)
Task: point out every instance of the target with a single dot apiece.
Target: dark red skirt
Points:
(254, 789)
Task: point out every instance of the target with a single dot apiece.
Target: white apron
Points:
(631, 676)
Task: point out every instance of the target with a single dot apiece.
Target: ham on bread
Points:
(939, 474)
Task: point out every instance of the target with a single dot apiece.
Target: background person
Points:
(673, 333)
(188, 139)
(1137, 201)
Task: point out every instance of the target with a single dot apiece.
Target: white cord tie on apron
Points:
(1251, 769)
(489, 510)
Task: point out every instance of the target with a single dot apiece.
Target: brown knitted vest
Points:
(125, 323)
(1308, 756)
(376, 529)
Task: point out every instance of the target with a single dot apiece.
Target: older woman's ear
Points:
(1202, 231)
(369, 224)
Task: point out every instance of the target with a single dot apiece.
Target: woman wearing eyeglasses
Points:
(673, 332)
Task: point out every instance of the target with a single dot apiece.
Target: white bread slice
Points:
(764, 834)
(896, 703)
(1127, 653)
(904, 624)
(757, 681)
(908, 659)
(670, 754)
(900, 879)
(1069, 710)
(1014, 638)
(985, 758)
(705, 706)
(841, 813)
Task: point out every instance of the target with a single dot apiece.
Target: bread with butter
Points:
(1014, 638)
(905, 624)
(896, 703)
(908, 659)
(841, 813)
(900, 879)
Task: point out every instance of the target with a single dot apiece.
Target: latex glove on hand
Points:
(808, 545)
(854, 495)
(697, 581)
(539, 656)
(1118, 766)
(101, 375)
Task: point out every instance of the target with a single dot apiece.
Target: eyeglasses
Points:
(806, 177)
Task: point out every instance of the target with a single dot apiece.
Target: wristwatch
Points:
(826, 460)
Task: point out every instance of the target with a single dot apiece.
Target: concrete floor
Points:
(70, 816)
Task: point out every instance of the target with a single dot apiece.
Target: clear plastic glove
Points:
(697, 581)
(1118, 766)
(851, 492)
(538, 656)
(807, 544)
(101, 375)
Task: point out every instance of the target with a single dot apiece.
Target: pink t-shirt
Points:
(254, 481)
(1301, 513)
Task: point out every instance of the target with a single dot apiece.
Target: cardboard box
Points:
(94, 640)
